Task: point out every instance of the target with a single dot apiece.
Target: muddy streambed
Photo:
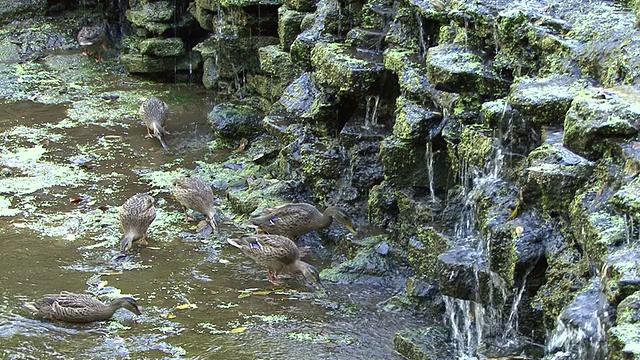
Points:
(65, 170)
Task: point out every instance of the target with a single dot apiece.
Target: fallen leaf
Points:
(244, 295)
(238, 330)
(91, 202)
(261, 293)
(186, 306)
(20, 225)
(76, 200)
(519, 230)
(102, 284)
(170, 316)
(104, 208)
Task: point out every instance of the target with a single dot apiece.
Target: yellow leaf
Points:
(102, 284)
(263, 292)
(186, 306)
(92, 202)
(170, 316)
(519, 230)
(20, 225)
(238, 330)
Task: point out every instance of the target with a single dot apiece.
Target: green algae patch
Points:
(5, 208)
(36, 174)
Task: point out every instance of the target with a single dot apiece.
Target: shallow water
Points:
(60, 233)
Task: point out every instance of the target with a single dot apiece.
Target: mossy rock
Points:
(545, 101)
(424, 249)
(11, 10)
(427, 343)
(345, 69)
(367, 267)
(414, 122)
(403, 162)
(234, 55)
(456, 68)
(553, 175)
(288, 26)
(596, 120)
(476, 146)
(161, 47)
(137, 63)
(627, 200)
(206, 18)
(277, 63)
(301, 5)
(624, 341)
(235, 121)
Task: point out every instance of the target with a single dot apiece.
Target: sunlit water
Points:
(48, 246)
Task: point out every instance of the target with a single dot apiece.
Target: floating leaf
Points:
(224, 261)
(170, 316)
(20, 225)
(92, 202)
(262, 293)
(102, 284)
(244, 294)
(238, 330)
(186, 306)
(519, 230)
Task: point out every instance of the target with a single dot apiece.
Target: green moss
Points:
(424, 251)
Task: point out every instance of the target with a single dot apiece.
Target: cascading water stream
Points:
(482, 319)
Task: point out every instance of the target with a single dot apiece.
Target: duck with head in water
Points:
(136, 214)
(154, 112)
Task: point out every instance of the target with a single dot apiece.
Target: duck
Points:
(297, 219)
(154, 112)
(79, 308)
(93, 39)
(195, 194)
(136, 214)
(279, 254)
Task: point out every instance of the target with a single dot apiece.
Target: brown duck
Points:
(195, 194)
(93, 39)
(154, 112)
(78, 308)
(136, 214)
(278, 254)
(296, 219)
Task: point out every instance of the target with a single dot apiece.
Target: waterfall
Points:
(371, 111)
(429, 159)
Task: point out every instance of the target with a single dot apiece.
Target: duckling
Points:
(278, 253)
(194, 193)
(154, 112)
(93, 39)
(297, 219)
(78, 308)
(136, 214)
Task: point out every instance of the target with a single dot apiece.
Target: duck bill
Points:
(351, 229)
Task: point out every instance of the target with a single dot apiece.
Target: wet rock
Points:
(345, 69)
(382, 248)
(11, 10)
(424, 249)
(320, 161)
(367, 267)
(414, 122)
(210, 76)
(366, 39)
(462, 273)
(205, 17)
(621, 274)
(581, 327)
(627, 200)
(553, 174)
(263, 193)
(304, 99)
(377, 14)
(162, 47)
(365, 169)
(246, 3)
(138, 63)
(276, 62)
(9, 52)
(301, 5)
(413, 79)
(624, 337)
(456, 68)
(403, 162)
(476, 147)
(544, 101)
(597, 118)
(234, 55)
(288, 26)
(430, 342)
(518, 133)
(156, 17)
(235, 121)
